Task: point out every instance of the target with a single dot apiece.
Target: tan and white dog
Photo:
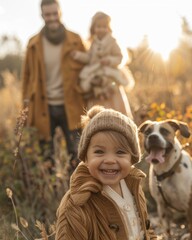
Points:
(170, 174)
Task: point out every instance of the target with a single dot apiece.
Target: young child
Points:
(105, 200)
(102, 78)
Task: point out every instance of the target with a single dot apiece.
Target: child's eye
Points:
(121, 152)
(98, 151)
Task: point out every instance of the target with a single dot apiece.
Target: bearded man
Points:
(50, 80)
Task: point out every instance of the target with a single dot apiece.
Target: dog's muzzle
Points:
(157, 149)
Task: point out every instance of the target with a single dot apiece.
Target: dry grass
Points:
(10, 102)
(34, 201)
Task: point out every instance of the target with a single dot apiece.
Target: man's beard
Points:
(54, 36)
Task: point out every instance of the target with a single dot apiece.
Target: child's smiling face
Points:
(107, 161)
(101, 27)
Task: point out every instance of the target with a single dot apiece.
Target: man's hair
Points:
(46, 2)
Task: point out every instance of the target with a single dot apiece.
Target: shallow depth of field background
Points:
(29, 195)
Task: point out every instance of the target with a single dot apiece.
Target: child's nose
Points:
(110, 159)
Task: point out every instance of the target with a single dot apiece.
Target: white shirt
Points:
(128, 209)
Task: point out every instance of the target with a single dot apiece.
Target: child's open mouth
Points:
(109, 171)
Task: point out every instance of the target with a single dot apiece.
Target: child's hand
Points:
(96, 81)
(105, 62)
(73, 54)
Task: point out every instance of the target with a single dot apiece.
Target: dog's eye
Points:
(148, 131)
(164, 131)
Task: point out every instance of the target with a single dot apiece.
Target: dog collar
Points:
(170, 172)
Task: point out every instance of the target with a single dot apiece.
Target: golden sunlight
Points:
(164, 32)
(161, 24)
(131, 20)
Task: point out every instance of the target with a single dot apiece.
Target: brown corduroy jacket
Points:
(34, 83)
(87, 213)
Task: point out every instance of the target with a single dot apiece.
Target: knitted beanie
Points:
(99, 119)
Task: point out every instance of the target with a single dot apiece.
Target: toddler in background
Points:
(103, 79)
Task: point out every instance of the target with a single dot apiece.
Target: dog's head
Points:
(159, 138)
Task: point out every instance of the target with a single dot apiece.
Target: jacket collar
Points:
(68, 45)
(105, 40)
(37, 38)
(83, 184)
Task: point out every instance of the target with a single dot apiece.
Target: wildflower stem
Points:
(24, 235)
(16, 217)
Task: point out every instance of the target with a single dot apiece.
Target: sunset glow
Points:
(159, 20)
(164, 32)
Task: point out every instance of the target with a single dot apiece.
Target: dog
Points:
(170, 172)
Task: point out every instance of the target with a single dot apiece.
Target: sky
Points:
(160, 20)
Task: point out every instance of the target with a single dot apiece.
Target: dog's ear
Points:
(181, 126)
(143, 126)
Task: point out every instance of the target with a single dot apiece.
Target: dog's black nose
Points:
(153, 137)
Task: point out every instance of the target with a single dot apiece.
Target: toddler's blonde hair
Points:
(99, 15)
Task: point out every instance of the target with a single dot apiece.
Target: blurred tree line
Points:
(159, 80)
(145, 61)
(10, 56)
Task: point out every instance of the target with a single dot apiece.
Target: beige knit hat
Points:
(100, 119)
